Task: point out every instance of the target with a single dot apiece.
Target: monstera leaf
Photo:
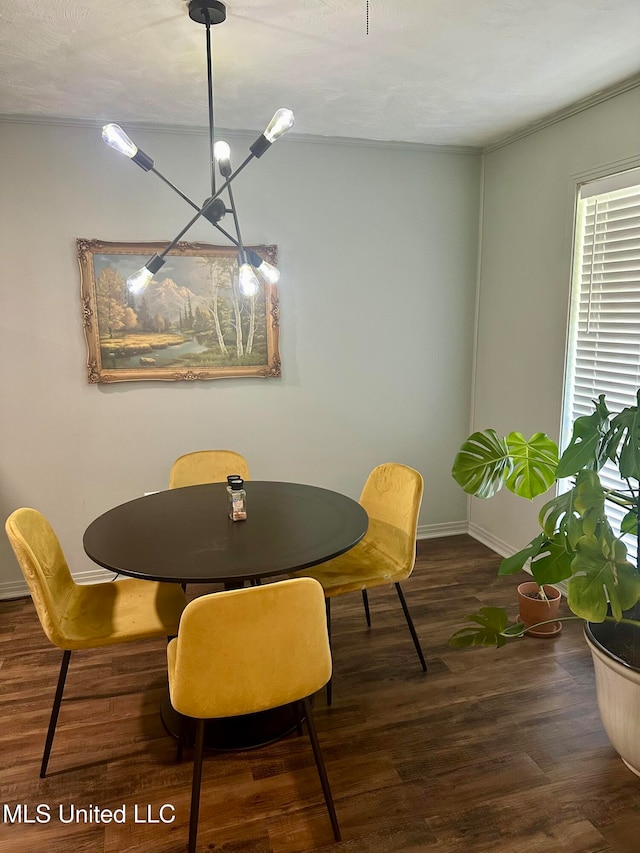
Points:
(576, 512)
(553, 563)
(534, 464)
(515, 563)
(586, 448)
(602, 575)
(629, 523)
(491, 628)
(486, 462)
(482, 464)
(625, 430)
(559, 515)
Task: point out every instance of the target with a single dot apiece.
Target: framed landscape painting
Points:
(191, 321)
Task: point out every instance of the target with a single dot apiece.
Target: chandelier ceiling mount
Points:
(216, 11)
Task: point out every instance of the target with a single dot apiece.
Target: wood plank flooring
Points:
(490, 751)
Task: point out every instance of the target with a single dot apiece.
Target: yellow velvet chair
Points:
(76, 616)
(207, 466)
(248, 650)
(391, 496)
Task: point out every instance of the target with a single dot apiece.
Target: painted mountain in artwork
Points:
(172, 300)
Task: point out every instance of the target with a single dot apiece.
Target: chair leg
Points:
(182, 737)
(322, 773)
(365, 601)
(66, 657)
(327, 604)
(195, 786)
(299, 714)
(414, 636)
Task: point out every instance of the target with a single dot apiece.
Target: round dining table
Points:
(185, 536)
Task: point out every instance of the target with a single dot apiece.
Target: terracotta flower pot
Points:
(534, 610)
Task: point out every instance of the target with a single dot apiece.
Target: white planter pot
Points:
(618, 692)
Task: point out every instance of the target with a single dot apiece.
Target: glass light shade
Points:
(248, 281)
(221, 150)
(269, 273)
(115, 136)
(281, 122)
(137, 283)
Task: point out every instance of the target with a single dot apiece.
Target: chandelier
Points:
(214, 209)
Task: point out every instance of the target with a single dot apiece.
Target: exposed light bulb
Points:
(269, 273)
(115, 136)
(221, 150)
(247, 280)
(137, 283)
(281, 122)
(222, 154)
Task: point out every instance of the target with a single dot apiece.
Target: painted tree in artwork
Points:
(220, 275)
(252, 323)
(236, 322)
(145, 321)
(110, 289)
(130, 318)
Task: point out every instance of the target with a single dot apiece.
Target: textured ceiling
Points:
(457, 72)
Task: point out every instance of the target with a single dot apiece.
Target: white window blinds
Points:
(604, 332)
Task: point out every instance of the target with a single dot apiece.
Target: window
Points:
(604, 330)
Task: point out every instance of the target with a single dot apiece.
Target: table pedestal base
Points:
(234, 733)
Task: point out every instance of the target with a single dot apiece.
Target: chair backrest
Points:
(392, 496)
(248, 650)
(207, 466)
(44, 567)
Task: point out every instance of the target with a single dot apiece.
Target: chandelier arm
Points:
(174, 188)
(210, 101)
(206, 206)
(226, 234)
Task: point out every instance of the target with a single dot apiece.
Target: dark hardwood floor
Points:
(490, 750)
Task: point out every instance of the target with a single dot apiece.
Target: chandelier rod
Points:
(239, 244)
(174, 188)
(207, 18)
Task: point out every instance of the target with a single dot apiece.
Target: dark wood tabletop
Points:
(185, 536)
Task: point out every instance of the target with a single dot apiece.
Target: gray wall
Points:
(377, 250)
(527, 234)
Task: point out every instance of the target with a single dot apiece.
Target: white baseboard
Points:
(19, 589)
(490, 540)
(13, 589)
(434, 531)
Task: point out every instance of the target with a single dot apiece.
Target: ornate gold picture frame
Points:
(190, 323)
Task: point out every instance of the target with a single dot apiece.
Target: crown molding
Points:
(566, 112)
(95, 124)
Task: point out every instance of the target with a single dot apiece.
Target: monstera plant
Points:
(576, 542)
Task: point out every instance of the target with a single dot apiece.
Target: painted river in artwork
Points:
(162, 357)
